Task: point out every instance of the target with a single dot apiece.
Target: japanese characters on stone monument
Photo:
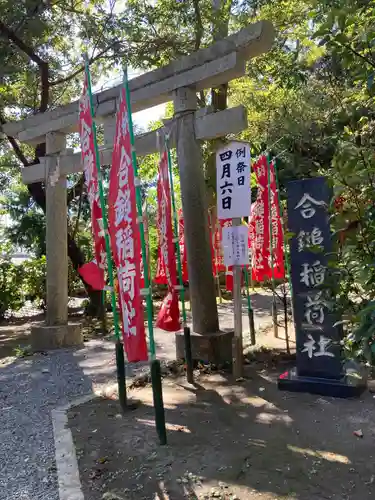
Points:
(318, 340)
(233, 180)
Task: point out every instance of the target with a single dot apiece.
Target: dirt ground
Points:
(15, 332)
(229, 440)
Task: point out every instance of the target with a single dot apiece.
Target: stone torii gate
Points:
(178, 81)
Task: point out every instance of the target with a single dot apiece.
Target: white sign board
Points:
(235, 245)
(233, 180)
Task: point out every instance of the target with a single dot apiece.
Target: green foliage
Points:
(360, 341)
(34, 282)
(11, 280)
(27, 282)
(23, 351)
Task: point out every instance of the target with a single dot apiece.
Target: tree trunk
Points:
(220, 22)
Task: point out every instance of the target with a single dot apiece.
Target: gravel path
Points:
(29, 390)
(31, 387)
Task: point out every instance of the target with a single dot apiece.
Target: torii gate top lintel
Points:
(211, 66)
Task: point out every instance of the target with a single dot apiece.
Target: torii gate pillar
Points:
(56, 332)
(194, 205)
(207, 342)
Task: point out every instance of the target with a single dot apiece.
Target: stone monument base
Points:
(348, 386)
(208, 347)
(45, 337)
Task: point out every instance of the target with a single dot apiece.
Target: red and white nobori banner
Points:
(259, 233)
(181, 241)
(217, 225)
(91, 176)
(146, 233)
(221, 266)
(276, 229)
(212, 236)
(161, 278)
(125, 238)
(169, 316)
(258, 226)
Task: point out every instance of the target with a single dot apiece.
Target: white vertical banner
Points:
(233, 180)
(235, 246)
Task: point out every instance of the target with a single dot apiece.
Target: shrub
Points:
(11, 287)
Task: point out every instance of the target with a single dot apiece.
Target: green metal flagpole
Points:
(286, 259)
(274, 307)
(120, 358)
(187, 338)
(155, 363)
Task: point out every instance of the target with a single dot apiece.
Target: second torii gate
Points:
(178, 81)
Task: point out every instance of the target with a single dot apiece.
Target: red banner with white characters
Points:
(218, 265)
(277, 232)
(91, 177)
(125, 238)
(221, 266)
(146, 233)
(259, 239)
(218, 253)
(181, 241)
(259, 231)
(160, 276)
(169, 317)
(211, 234)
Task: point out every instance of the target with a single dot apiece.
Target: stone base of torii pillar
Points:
(207, 347)
(44, 337)
(57, 331)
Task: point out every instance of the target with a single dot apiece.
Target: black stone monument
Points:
(319, 368)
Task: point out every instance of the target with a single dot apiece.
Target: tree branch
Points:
(44, 82)
(5, 31)
(81, 68)
(358, 54)
(198, 25)
(16, 147)
(18, 151)
(30, 52)
(76, 190)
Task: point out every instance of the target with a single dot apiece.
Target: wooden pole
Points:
(237, 344)
(250, 311)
